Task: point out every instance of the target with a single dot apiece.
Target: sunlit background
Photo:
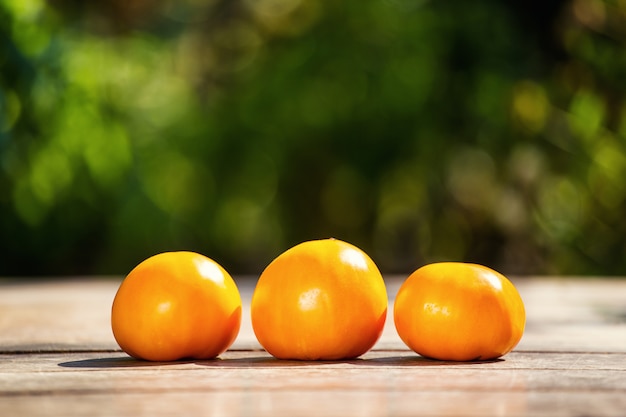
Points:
(485, 131)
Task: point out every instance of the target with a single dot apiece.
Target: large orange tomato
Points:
(320, 300)
(459, 311)
(176, 305)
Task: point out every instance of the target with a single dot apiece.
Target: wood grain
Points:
(58, 358)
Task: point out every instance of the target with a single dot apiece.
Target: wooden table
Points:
(58, 358)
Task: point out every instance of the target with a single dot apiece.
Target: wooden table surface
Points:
(58, 358)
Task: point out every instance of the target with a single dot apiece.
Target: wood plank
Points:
(58, 357)
(70, 315)
(335, 403)
(73, 315)
(576, 314)
(253, 383)
(57, 315)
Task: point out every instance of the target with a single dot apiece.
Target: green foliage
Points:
(419, 131)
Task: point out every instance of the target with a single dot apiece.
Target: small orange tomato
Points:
(460, 312)
(320, 300)
(176, 305)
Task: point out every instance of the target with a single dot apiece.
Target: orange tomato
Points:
(458, 311)
(320, 300)
(176, 305)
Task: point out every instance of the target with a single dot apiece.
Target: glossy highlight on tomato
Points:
(176, 305)
(459, 312)
(320, 300)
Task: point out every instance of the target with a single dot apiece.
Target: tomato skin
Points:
(319, 300)
(176, 305)
(459, 312)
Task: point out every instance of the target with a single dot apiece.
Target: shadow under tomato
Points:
(263, 362)
(117, 362)
(417, 361)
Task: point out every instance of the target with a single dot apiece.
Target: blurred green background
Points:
(484, 131)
